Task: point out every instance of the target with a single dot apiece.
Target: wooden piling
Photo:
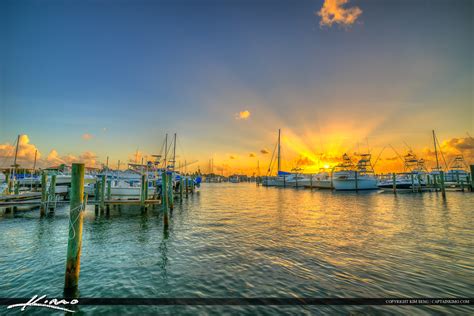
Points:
(73, 261)
(187, 182)
(102, 192)
(412, 182)
(44, 194)
(164, 190)
(170, 191)
(109, 190)
(394, 183)
(143, 192)
(472, 177)
(10, 186)
(17, 186)
(441, 180)
(181, 184)
(52, 193)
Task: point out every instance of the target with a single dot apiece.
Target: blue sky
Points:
(127, 72)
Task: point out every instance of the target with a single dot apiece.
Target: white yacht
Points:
(321, 180)
(353, 178)
(121, 189)
(413, 175)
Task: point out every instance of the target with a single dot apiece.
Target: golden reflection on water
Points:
(242, 240)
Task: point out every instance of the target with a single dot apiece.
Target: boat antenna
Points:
(174, 151)
(279, 151)
(378, 157)
(166, 150)
(442, 155)
(396, 152)
(436, 150)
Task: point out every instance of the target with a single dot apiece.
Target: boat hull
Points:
(350, 184)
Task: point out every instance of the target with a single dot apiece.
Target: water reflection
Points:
(243, 240)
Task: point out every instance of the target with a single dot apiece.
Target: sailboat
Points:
(350, 177)
(456, 172)
(284, 178)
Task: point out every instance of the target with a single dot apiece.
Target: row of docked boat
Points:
(119, 183)
(353, 176)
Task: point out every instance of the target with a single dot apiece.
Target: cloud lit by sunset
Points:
(332, 90)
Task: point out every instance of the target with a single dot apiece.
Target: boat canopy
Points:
(284, 173)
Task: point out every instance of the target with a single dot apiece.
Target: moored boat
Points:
(354, 178)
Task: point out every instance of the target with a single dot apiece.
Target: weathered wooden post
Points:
(462, 185)
(73, 260)
(394, 183)
(170, 191)
(441, 180)
(146, 187)
(468, 183)
(428, 180)
(10, 185)
(472, 177)
(311, 181)
(296, 177)
(164, 199)
(97, 194)
(412, 182)
(44, 194)
(164, 190)
(109, 190)
(102, 192)
(435, 182)
(52, 193)
(7, 181)
(143, 192)
(192, 185)
(181, 184)
(187, 182)
(284, 181)
(17, 186)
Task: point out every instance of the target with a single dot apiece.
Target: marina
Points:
(309, 157)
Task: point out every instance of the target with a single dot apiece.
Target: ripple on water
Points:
(239, 240)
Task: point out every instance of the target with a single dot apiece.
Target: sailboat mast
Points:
(16, 155)
(166, 149)
(279, 161)
(174, 150)
(436, 150)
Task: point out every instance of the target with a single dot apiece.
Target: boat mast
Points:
(166, 149)
(174, 151)
(16, 155)
(279, 161)
(436, 150)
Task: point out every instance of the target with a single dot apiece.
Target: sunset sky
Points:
(83, 80)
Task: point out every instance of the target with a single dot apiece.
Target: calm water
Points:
(239, 240)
